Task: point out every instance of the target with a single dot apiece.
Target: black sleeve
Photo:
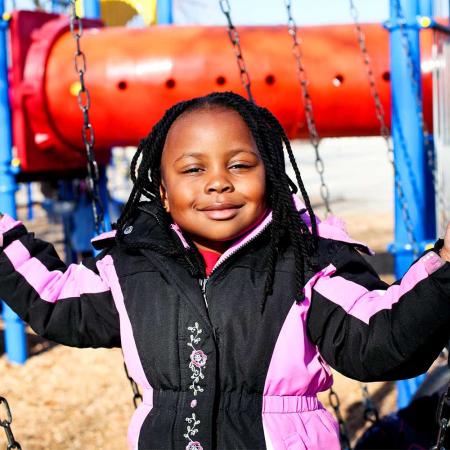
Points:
(71, 305)
(368, 330)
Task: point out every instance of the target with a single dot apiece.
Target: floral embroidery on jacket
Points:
(194, 445)
(198, 360)
(192, 430)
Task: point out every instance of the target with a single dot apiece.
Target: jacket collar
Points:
(148, 227)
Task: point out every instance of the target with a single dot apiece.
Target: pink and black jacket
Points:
(216, 372)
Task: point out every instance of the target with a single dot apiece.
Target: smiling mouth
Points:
(222, 211)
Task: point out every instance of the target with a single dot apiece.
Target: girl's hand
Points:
(445, 250)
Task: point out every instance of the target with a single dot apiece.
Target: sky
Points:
(254, 12)
(259, 12)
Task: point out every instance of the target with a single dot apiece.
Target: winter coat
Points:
(216, 372)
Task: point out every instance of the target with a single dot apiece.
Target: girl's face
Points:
(213, 178)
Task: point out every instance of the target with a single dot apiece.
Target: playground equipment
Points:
(181, 64)
(118, 13)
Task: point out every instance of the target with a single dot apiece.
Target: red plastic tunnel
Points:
(134, 75)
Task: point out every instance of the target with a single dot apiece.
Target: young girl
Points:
(226, 294)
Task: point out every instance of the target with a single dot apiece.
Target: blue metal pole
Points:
(104, 197)
(56, 7)
(164, 12)
(92, 9)
(30, 212)
(409, 151)
(426, 8)
(15, 341)
(66, 196)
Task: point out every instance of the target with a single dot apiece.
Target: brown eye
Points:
(240, 166)
(192, 170)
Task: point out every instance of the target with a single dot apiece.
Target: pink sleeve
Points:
(7, 223)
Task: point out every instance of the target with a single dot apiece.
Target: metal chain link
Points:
(443, 422)
(6, 425)
(343, 431)
(371, 413)
(84, 103)
(309, 113)
(235, 40)
(444, 409)
(406, 44)
(443, 413)
(414, 76)
(443, 416)
(437, 181)
(384, 131)
(137, 396)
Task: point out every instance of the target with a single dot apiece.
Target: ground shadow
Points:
(355, 411)
(35, 344)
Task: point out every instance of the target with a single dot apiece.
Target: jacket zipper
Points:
(237, 249)
(203, 282)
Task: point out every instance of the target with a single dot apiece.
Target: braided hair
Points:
(269, 136)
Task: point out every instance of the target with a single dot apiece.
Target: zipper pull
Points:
(203, 282)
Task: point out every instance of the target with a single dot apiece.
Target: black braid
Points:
(287, 227)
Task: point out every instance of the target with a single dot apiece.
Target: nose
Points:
(219, 182)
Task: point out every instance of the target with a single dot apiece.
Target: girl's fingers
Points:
(445, 251)
(447, 236)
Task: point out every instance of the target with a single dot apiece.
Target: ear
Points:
(163, 195)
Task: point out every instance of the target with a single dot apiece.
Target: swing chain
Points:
(406, 43)
(236, 42)
(379, 110)
(84, 103)
(384, 131)
(428, 143)
(371, 413)
(438, 184)
(6, 425)
(443, 421)
(343, 431)
(309, 113)
(137, 396)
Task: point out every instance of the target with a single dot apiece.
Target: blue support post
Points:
(164, 12)
(104, 197)
(65, 198)
(92, 9)
(30, 212)
(426, 8)
(56, 6)
(15, 341)
(409, 151)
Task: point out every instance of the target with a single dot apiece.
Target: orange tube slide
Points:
(134, 75)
